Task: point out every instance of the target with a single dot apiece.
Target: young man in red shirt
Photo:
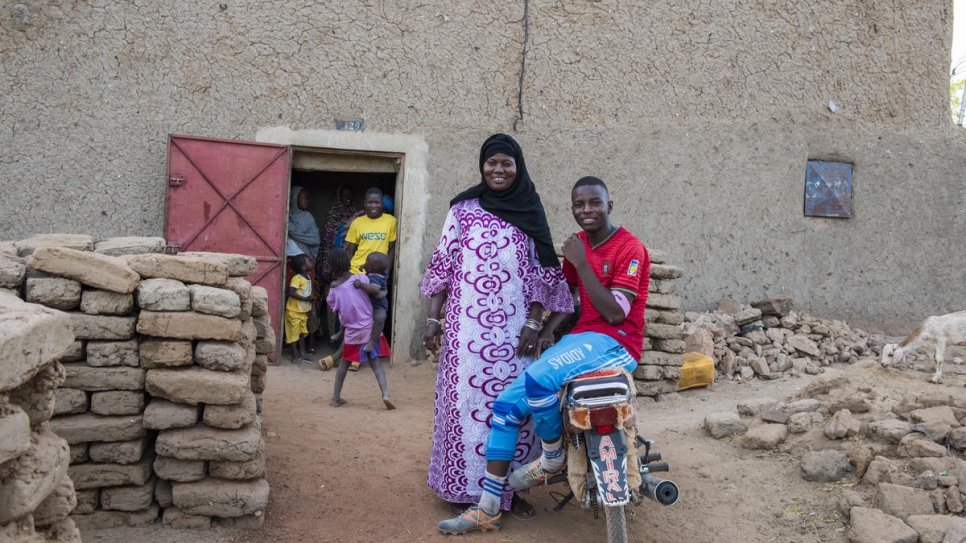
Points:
(610, 269)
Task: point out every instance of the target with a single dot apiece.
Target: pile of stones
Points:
(768, 340)
(161, 403)
(664, 348)
(899, 462)
(36, 491)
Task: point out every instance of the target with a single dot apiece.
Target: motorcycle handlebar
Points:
(656, 467)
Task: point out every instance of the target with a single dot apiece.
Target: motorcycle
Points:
(602, 469)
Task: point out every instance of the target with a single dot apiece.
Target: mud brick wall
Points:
(663, 353)
(36, 490)
(161, 400)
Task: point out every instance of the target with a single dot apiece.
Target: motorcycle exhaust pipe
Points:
(660, 490)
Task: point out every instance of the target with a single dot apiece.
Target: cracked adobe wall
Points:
(699, 114)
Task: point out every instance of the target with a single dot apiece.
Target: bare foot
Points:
(337, 403)
(389, 405)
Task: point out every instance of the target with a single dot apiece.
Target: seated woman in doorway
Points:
(303, 239)
(496, 272)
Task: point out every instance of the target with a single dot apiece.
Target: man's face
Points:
(373, 205)
(591, 205)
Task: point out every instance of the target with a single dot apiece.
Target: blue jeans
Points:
(535, 390)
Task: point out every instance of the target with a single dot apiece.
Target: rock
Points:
(825, 466)
(775, 416)
(957, 438)
(803, 345)
(850, 499)
(873, 526)
(799, 423)
(61, 531)
(774, 306)
(196, 385)
(934, 528)
(902, 501)
(57, 505)
(843, 424)
(747, 316)
(12, 271)
(803, 406)
(915, 445)
(729, 306)
(764, 436)
(860, 457)
(36, 396)
(941, 414)
(92, 269)
(724, 424)
(14, 431)
(699, 341)
(889, 430)
(221, 498)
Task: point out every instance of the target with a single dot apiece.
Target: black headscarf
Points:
(518, 205)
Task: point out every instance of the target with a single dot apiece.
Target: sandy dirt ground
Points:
(358, 473)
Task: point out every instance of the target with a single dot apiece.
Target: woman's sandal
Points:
(326, 363)
(522, 509)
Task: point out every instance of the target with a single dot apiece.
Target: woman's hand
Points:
(544, 341)
(432, 336)
(528, 346)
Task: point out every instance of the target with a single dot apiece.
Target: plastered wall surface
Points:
(699, 114)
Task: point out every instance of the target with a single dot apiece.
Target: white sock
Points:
(553, 456)
(492, 493)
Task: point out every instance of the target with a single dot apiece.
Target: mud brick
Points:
(105, 302)
(79, 242)
(87, 476)
(31, 337)
(165, 353)
(113, 353)
(657, 358)
(182, 471)
(55, 292)
(12, 271)
(91, 269)
(31, 477)
(221, 356)
(231, 417)
(36, 396)
(84, 377)
(664, 272)
(89, 427)
(102, 326)
(78, 453)
(183, 268)
(73, 353)
(215, 301)
(178, 520)
(117, 402)
(130, 246)
(161, 415)
(662, 331)
(243, 471)
(221, 498)
(102, 520)
(188, 325)
(87, 500)
(259, 301)
(163, 295)
(196, 385)
(238, 265)
(69, 401)
(57, 505)
(128, 498)
(204, 443)
(14, 431)
(118, 452)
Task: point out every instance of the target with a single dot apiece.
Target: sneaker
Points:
(530, 475)
(472, 520)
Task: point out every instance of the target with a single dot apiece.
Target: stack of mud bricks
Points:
(161, 403)
(36, 492)
(663, 353)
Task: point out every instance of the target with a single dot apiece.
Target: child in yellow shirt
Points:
(297, 308)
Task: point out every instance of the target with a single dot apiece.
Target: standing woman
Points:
(303, 238)
(340, 212)
(496, 271)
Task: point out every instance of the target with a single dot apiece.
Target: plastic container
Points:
(697, 371)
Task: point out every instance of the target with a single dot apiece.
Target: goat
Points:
(934, 333)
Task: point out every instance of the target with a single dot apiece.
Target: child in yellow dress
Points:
(297, 308)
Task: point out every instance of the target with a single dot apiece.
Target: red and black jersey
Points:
(621, 263)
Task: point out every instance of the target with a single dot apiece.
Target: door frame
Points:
(412, 197)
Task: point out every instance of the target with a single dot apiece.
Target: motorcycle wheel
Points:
(616, 524)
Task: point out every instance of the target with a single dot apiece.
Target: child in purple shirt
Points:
(355, 313)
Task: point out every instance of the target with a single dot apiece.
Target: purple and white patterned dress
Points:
(491, 274)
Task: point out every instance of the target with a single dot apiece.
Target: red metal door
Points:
(228, 196)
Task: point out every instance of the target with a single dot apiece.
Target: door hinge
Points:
(175, 180)
(172, 248)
